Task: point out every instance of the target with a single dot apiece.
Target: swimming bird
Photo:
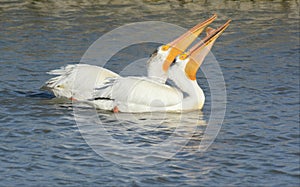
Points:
(76, 82)
(142, 94)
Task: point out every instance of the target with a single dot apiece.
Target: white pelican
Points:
(76, 82)
(141, 94)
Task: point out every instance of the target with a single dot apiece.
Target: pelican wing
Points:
(77, 81)
(139, 91)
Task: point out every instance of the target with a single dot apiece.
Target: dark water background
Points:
(258, 144)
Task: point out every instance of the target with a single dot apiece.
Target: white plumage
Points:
(136, 94)
(77, 81)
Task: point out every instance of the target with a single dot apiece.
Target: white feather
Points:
(137, 94)
(77, 81)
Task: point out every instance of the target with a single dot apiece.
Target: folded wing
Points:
(138, 91)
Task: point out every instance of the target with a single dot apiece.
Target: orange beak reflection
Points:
(181, 43)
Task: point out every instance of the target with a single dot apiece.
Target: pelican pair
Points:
(77, 82)
(140, 94)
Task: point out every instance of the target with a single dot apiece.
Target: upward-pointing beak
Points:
(198, 52)
(182, 42)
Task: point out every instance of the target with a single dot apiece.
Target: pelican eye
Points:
(165, 47)
(183, 56)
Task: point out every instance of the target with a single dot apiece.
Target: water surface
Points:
(258, 144)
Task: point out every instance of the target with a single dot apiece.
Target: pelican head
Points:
(161, 59)
(184, 68)
(190, 62)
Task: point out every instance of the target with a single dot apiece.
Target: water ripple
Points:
(258, 145)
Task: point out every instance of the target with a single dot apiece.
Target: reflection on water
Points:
(41, 144)
(137, 139)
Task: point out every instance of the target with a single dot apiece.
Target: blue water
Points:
(258, 144)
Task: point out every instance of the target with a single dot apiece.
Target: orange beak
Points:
(198, 52)
(181, 43)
